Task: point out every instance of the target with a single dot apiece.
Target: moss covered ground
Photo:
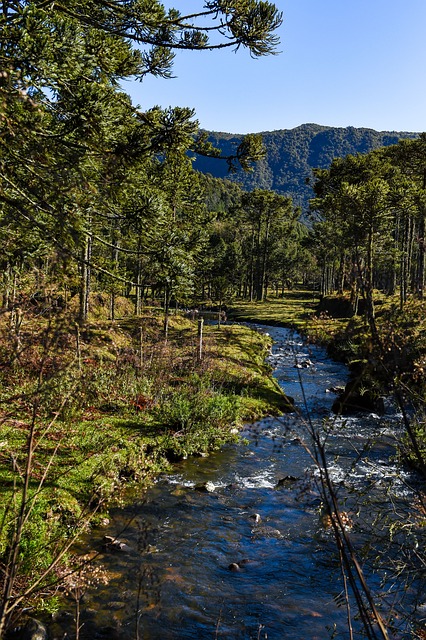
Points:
(294, 309)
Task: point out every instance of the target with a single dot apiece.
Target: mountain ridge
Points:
(291, 154)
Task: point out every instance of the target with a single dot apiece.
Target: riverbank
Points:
(224, 543)
(295, 310)
(87, 412)
(400, 346)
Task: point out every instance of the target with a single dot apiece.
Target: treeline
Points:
(98, 196)
(370, 215)
(255, 245)
(368, 238)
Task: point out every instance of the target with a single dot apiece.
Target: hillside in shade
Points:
(291, 154)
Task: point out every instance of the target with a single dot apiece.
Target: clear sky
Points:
(341, 63)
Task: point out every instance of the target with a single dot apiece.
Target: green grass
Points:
(300, 310)
(293, 310)
(126, 418)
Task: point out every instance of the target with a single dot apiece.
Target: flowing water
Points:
(221, 548)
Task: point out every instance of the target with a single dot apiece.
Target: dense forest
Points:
(115, 228)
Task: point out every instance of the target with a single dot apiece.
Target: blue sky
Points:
(341, 63)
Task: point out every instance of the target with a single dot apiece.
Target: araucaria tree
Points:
(269, 217)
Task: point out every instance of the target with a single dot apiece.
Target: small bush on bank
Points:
(197, 422)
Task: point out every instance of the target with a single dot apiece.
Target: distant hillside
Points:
(293, 153)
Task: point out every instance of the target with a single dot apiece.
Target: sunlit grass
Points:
(295, 309)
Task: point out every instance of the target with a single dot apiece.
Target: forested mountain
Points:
(291, 154)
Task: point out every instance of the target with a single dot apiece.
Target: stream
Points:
(235, 545)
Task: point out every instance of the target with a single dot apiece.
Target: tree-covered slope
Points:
(291, 154)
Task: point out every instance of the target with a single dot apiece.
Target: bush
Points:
(196, 421)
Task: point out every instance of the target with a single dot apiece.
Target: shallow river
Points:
(248, 559)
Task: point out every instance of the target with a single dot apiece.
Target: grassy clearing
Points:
(298, 309)
(295, 309)
(402, 332)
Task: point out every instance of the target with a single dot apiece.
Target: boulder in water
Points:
(335, 390)
(286, 481)
(237, 566)
(356, 398)
(266, 532)
(304, 364)
(256, 517)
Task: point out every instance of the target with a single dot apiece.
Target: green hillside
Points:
(291, 154)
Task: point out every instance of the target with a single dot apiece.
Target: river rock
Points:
(32, 630)
(267, 532)
(233, 486)
(304, 364)
(286, 481)
(256, 517)
(237, 566)
(116, 545)
(243, 562)
(179, 491)
(205, 486)
(355, 398)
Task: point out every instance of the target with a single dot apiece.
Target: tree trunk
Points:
(405, 260)
(262, 279)
(138, 301)
(369, 298)
(6, 287)
(421, 257)
(258, 262)
(251, 268)
(341, 273)
(114, 261)
(421, 242)
(166, 311)
(85, 277)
